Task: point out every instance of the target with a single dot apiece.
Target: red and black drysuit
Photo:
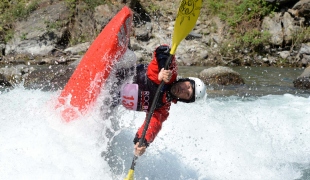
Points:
(147, 79)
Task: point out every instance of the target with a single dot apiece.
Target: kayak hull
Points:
(84, 85)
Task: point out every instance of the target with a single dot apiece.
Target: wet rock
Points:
(49, 78)
(192, 53)
(15, 74)
(4, 82)
(303, 81)
(36, 36)
(193, 35)
(284, 54)
(80, 48)
(143, 33)
(221, 76)
(305, 49)
(303, 54)
(305, 60)
(103, 14)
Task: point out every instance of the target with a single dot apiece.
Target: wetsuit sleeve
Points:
(162, 113)
(159, 116)
(162, 54)
(158, 62)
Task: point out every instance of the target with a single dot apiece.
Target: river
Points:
(259, 81)
(257, 131)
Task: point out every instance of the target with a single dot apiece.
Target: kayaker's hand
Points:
(139, 151)
(164, 75)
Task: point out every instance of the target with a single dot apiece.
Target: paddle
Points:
(187, 16)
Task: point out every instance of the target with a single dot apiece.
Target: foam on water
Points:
(36, 144)
(237, 139)
(232, 138)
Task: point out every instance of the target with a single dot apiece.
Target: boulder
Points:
(4, 82)
(302, 8)
(304, 54)
(282, 27)
(281, 2)
(14, 75)
(303, 81)
(41, 32)
(102, 15)
(79, 48)
(49, 78)
(289, 28)
(144, 32)
(272, 24)
(220, 76)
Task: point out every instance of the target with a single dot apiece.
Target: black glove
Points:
(136, 139)
(162, 55)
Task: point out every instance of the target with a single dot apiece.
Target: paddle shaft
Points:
(187, 16)
(150, 113)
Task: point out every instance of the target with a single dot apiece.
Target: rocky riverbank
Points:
(41, 54)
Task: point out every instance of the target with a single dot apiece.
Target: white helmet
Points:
(200, 88)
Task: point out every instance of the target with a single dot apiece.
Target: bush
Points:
(244, 20)
(12, 10)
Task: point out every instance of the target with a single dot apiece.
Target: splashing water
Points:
(263, 137)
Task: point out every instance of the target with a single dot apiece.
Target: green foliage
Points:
(80, 39)
(282, 62)
(244, 18)
(254, 38)
(90, 4)
(23, 36)
(4, 4)
(151, 8)
(235, 11)
(301, 35)
(19, 10)
(79, 5)
(94, 3)
(71, 4)
(9, 34)
(250, 40)
(53, 25)
(247, 10)
(218, 7)
(12, 10)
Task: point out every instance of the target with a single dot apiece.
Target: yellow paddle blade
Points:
(187, 16)
(130, 175)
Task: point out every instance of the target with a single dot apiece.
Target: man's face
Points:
(182, 90)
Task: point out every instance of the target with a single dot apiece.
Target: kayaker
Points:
(139, 95)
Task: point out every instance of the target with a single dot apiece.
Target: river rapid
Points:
(256, 131)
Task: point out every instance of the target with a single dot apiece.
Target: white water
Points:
(260, 138)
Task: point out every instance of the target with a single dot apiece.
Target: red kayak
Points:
(84, 85)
